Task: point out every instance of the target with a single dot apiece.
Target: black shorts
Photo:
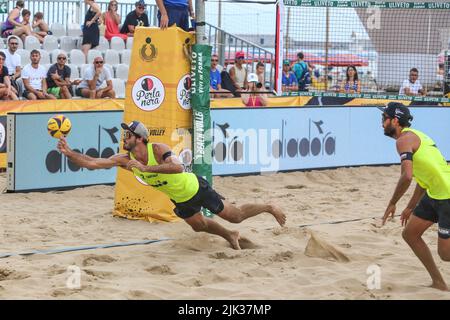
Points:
(437, 211)
(206, 197)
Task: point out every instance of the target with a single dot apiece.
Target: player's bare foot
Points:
(234, 240)
(439, 285)
(278, 214)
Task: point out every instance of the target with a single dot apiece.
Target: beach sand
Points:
(321, 261)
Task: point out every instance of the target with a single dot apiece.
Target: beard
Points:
(389, 131)
(128, 147)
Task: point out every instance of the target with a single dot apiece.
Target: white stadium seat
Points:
(126, 57)
(110, 68)
(122, 72)
(50, 43)
(45, 57)
(77, 57)
(74, 72)
(103, 44)
(117, 43)
(83, 67)
(74, 30)
(68, 43)
(92, 54)
(119, 87)
(31, 43)
(24, 57)
(112, 57)
(58, 30)
(130, 43)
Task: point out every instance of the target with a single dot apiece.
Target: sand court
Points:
(319, 261)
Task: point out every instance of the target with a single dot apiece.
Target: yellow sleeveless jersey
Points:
(430, 169)
(180, 187)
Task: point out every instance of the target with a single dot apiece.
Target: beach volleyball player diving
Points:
(155, 164)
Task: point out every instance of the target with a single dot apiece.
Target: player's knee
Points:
(444, 254)
(199, 226)
(235, 218)
(408, 236)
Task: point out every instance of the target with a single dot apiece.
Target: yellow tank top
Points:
(180, 187)
(430, 169)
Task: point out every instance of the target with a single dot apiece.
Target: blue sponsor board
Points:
(283, 139)
(37, 163)
(2, 134)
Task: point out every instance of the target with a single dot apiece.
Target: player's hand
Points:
(135, 164)
(164, 21)
(405, 216)
(63, 147)
(390, 211)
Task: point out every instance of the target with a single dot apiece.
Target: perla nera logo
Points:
(55, 162)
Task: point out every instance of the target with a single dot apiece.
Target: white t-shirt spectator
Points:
(12, 61)
(34, 75)
(413, 87)
(89, 74)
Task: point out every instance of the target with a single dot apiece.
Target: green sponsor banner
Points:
(4, 6)
(201, 117)
(367, 4)
(366, 96)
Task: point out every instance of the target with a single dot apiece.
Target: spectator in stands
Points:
(216, 80)
(260, 72)
(39, 26)
(26, 30)
(34, 79)
(112, 19)
(175, 12)
(93, 79)
(352, 83)
(412, 86)
(13, 20)
(253, 98)
(136, 18)
(238, 73)
(289, 81)
(58, 79)
(13, 62)
(91, 31)
(302, 73)
(6, 90)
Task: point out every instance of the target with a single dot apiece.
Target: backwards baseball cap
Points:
(137, 128)
(252, 77)
(240, 54)
(286, 62)
(399, 111)
(140, 3)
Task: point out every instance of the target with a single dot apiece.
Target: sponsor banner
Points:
(412, 100)
(37, 164)
(200, 68)
(2, 135)
(157, 94)
(368, 4)
(313, 100)
(59, 106)
(282, 139)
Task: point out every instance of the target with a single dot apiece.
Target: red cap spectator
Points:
(240, 54)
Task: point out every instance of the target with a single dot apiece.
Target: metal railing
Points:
(73, 12)
(224, 44)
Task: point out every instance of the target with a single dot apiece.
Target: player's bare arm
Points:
(405, 145)
(167, 161)
(82, 160)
